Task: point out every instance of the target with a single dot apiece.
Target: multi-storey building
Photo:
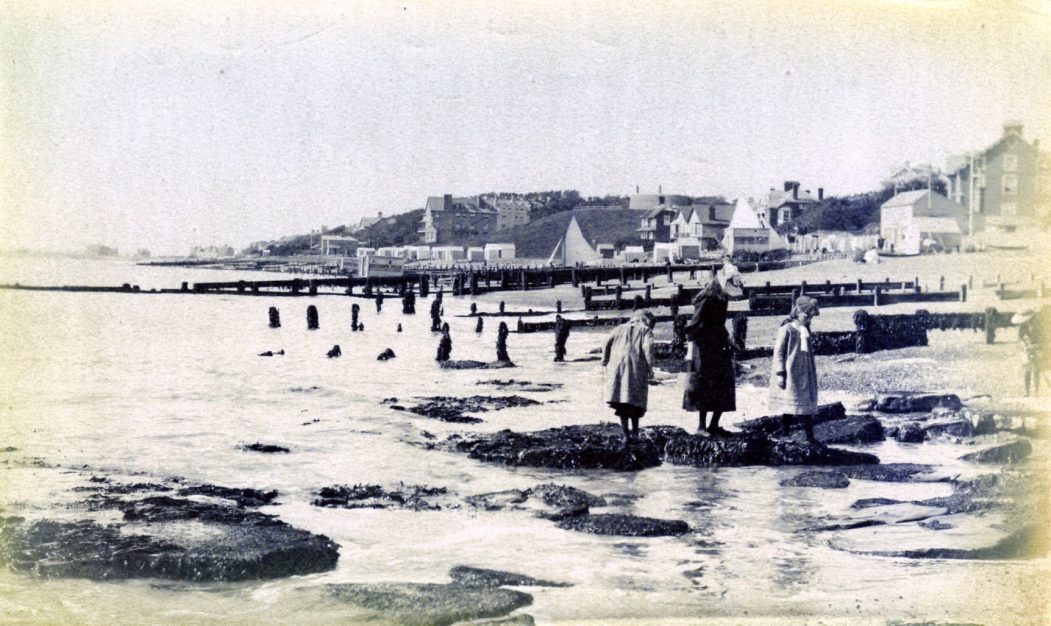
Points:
(1009, 179)
(447, 218)
(661, 210)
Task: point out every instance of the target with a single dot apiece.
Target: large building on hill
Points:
(447, 218)
(510, 212)
(1009, 179)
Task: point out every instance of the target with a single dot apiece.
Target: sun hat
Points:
(1023, 316)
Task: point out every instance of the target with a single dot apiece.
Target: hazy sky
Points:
(165, 124)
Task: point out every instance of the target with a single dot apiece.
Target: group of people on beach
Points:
(711, 385)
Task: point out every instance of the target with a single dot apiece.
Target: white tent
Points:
(747, 233)
(573, 248)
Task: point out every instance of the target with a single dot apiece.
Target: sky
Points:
(164, 125)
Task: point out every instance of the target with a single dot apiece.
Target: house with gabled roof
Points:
(785, 206)
(913, 217)
(1010, 179)
(448, 218)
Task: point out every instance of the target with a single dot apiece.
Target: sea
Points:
(154, 386)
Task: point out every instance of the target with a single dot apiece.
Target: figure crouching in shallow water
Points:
(627, 361)
(793, 379)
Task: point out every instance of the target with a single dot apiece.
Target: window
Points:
(1010, 162)
(1010, 184)
(711, 214)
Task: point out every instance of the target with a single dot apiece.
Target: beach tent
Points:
(573, 248)
(747, 233)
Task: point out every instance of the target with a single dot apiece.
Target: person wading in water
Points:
(627, 361)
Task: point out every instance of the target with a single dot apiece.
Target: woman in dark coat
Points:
(712, 377)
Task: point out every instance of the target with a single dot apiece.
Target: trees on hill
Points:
(852, 212)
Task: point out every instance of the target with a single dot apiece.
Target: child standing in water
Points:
(793, 380)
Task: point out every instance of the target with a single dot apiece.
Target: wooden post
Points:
(941, 283)
(670, 279)
(275, 317)
(523, 280)
(876, 295)
(990, 324)
(558, 306)
(860, 286)
(740, 328)
(573, 277)
(970, 281)
(678, 294)
(649, 293)
(312, 320)
(620, 293)
(623, 276)
(963, 292)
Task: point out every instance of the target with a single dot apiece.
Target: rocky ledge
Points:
(159, 536)
(599, 446)
(454, 409)
(473, 594)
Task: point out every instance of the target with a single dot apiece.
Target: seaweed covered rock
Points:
(891, 472)
(771, 424)
(561, 501)
(468, 364)
(742, 449)
(822, 480)
(480, 577)
(238, 545)
(432, 603)
(1010, 452)
(915, 402)
(855, 429)
(498, 500)
(414, 497)
(593, 446)
(910, 433)
(453, 409)
(265, 448)
(625, 525)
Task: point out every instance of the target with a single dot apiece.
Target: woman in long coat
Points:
(629, 356)
(793, 380)
(712, 381)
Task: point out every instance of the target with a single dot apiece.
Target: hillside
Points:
(538, 238)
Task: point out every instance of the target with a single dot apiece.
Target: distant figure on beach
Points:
(379, 301)
(793, 379)
(501, 343)
(334, 352)
(711, 384)
(1033, 332)
(272, 353)
(627, 361)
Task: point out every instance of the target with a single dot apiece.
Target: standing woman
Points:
(629, 353)
(711, 385)
(793, 380)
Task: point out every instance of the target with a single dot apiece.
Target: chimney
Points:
(788, 185)
(820, 193)
(795, 191)
(379, 214)
(1013, 127)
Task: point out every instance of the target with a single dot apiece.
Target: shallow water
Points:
(169, 385)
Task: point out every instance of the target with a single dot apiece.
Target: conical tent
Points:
(748, 233)
(575, 248)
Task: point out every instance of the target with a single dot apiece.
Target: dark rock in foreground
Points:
(563, 502)
(414, 497)
(889, 472)
(599, 446)
(479, 577)
(1004, 453)
(520, 385)
(915, 402)
(823, 480)
(248, 546)
(855, 429)
(452, 409)
(594, 446)
(625, 525)
(910, 433)
(1028, 542)
(771, 424)
(264, 447)
(475, 365)
(741, 450)
(432, 604)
